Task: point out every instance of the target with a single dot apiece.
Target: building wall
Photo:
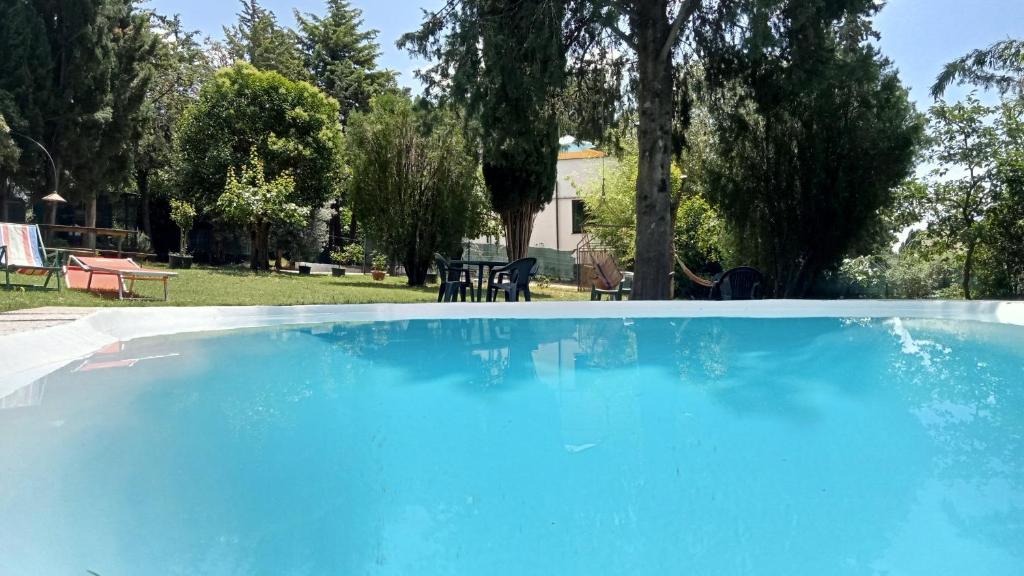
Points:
(553, 226)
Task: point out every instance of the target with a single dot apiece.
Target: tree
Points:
(258, 39)
(814, 133)
(251, 200)
(1005, 238)
(413, 183)
(1000, 260)
(963, 141)
(504, 62)
(342, 58)
(292, 126)
(179, 67)
(1000, 67)
(75, 74)
(184, 215)
(698, 230)
(9, 151)
(654, 33)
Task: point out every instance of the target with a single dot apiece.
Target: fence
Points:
(554, 264)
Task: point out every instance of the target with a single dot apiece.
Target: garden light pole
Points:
(54, 198)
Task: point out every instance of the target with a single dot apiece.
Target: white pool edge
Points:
(28, 356)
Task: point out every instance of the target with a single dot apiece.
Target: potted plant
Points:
(380, 266)
(184, 215)
(349, 255)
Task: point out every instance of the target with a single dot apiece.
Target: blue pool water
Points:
(514, 447)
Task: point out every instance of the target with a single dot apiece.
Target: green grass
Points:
(231, 286)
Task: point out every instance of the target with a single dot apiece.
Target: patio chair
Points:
(513, 279)
(624, 288)
(454, 281)
(112, 275)
(22, 251)
(743, 283)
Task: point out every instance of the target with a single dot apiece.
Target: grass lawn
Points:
(230, 286)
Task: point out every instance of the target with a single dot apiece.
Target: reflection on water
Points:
(612, 446)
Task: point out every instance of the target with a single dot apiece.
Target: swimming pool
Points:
(621, 445)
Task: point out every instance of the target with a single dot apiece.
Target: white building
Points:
(559, 226)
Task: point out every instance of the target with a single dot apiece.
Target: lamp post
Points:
(54, 198)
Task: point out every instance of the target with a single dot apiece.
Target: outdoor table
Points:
(480, 265)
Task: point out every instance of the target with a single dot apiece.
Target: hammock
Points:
(693, 277)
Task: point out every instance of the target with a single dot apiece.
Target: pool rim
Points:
(27, 356)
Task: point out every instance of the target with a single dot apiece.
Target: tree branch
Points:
(626, 38)
(686, 11)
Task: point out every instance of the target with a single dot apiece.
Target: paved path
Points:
(36, 318)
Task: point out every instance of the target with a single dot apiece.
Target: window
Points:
(579, 216)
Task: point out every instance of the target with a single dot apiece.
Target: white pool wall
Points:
(28, 356)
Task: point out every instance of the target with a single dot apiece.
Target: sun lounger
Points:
(22, 251)
(112, 274)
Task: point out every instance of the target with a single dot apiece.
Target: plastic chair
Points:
(624, 288)
(743, 283)
(512, 279)
(454, 281)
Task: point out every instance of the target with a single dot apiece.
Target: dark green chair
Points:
(454, 281)
(512, 279)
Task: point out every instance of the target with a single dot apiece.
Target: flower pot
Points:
(180, 261)
(337, 271)
(305, 270)
(378, 275)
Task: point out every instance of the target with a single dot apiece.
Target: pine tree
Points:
(341, 57)
(75, 72)
(258, 39)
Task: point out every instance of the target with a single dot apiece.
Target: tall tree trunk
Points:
(353, 229)
(142, 183)
(416, 263)
(969, 268)
(518, 224)
(5, 185)
(653, 32)
(90, 221)
(261, 251)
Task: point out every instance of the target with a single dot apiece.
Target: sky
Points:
(919, 36)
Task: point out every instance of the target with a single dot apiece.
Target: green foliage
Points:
(9, 151)
(342, 57)
(812, 139)
(258, 39)
(980, 208)
(380, 262)
(76, 87)
(179, 67)
(292, 126)
(184, 215)
(1000, 66)
(504, 62)
(611, 207)
(352, 255)
(413, 180)
(251, 200)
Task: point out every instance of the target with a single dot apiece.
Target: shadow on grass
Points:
(382, 286)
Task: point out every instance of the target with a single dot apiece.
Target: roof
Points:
(581, 155)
